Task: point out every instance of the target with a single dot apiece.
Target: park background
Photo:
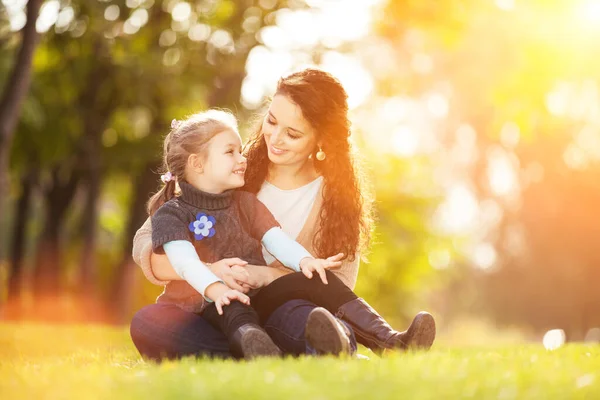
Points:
(478, 121)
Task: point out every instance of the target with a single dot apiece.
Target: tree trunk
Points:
(48, 257)
(12, 98)
(97, 107)
(89, 221)
(125, 282)
(14, 303)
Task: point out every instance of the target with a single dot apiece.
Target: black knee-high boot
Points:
(240, 324)
(374, 332)
(370, 328)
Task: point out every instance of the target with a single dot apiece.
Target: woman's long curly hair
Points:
(345, 219)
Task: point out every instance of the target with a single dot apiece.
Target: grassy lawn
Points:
(97, 362)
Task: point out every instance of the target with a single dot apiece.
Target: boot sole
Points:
(257, 343)
(324, 333)
(421, 332)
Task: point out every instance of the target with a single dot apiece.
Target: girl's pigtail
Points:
(166, 193)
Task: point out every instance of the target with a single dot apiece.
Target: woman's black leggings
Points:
(297, 286)
(289, 287)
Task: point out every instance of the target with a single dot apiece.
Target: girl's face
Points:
(223, 166)
(289, 137)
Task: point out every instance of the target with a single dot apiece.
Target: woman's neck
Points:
(288, 177)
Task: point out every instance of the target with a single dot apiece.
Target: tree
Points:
(14, 94)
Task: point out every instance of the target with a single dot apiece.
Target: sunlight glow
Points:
(263, 68)
(222, 40)
(439, 259)
(129, 28)
(421, 63)
(112, 12)
(181, 11)
(510, 135)
(534, 172)
(506, 5)
(199, 32)
(139, 17)
(592, 336)
(133, 3)
(354, 77)
(405, 141)
(167, 38)
(502, 174)
(437, 105)
(589, 11)
(575, 157)
(553, 339)
(274, 37)
(484, 256)
(65, 17)
(458, 213)
(465, 151)
(288, 46)
(48, 16)
(588, 138)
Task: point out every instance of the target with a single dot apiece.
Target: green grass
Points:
(96, 362)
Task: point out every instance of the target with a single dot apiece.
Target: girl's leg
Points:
(165, 331)
(370, 328)
(288, 327)
(242, 328)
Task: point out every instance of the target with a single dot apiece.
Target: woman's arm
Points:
(262, 275)
(144, 257)
(162, 268)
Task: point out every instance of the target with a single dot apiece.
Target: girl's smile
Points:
(222, 167)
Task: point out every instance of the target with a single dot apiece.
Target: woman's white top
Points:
(289, 207)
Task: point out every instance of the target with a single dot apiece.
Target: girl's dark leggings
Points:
(289, 287)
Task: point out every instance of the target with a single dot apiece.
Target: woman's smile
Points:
(276, 151)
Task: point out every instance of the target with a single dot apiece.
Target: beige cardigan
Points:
(183, 295)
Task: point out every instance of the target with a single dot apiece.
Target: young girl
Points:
(210, 221)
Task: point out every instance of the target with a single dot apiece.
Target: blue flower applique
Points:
(203, 226)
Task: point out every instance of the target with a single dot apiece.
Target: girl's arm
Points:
(283, 248)
(186, 263)
(158, 270)
(293, 255)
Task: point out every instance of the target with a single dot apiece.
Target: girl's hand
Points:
(222, 296)
(232, 272)
(228, 296)
(319, 265)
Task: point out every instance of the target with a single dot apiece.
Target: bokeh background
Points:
(478, 120)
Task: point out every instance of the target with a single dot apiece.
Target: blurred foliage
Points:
(522, 76)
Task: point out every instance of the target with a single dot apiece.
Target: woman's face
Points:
(289, 137)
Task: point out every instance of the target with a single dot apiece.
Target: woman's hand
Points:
(233, 272)
(222, 296)
(262, 275)
(319, 265)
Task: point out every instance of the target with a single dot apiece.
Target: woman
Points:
(301, 166)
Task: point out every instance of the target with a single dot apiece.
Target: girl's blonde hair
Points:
(187, 137)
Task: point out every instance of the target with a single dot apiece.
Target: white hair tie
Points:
(167, 177)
